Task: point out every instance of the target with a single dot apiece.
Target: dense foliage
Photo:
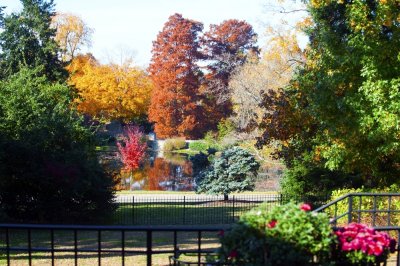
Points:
(234, 171)
(286, 235)
(48, 169)
(339, 117)
(110, 92)
(191, 72)
(132, 148)
(174, 104)
(27, 40)
(359, 244)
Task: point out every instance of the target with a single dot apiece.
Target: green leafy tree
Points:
(234, 171)
(48, 169)
(346, 96)
(27, 40)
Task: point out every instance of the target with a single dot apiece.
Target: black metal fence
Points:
(153, 245)
(194, 210)
(109, 245)
(373, 209)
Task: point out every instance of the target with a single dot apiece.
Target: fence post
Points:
(233, 208)
(350, 210)
(149, 251)
(184, 209)
(133, 210)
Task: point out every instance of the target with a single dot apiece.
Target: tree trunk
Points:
(225, 197)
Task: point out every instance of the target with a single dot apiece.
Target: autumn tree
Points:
(226, 46)
(110, 91)
(265, 76)
(27, 40)
(72, 34)
(175, 104)
(132, 148)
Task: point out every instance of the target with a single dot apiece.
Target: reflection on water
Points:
(173, 172)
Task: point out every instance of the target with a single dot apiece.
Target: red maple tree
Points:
(175, 105)
(132, 148)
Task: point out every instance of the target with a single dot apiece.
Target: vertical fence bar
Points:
(30, 246)
(350, 210)
(335, 214)
(199, 247)
(99, 247)
(233, 208)
(8, 245)
(359, 209)
(133, 210)
(175, 246)
(76, 247)
(123, 246)
(374, 212)
(52, 246)
(184, 209)
(149, 250)
(389, 211)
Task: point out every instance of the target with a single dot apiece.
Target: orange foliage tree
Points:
(175, 104)
(226, 46)
(110, 91)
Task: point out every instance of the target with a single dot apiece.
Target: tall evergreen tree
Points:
(27, 40)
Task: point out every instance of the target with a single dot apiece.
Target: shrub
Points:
(358, 244)
(201, 146)
(174, 144)
(132, 148)
(49, 171)
(225, 127)
(286, 235)
(234, 171)
(305, 179)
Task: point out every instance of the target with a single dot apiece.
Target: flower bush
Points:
(293, 235)
(285, 235)
(359, 244)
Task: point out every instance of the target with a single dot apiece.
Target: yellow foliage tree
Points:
(72, 34)
(251, 82)
(110, 92)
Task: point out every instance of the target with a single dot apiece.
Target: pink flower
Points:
(305, 207)
(233, 254)
(272, 223)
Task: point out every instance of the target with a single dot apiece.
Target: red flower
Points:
(305, 207)
(221, 233)
(233, 254)
(272, 223)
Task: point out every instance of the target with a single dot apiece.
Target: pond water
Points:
(164, 172)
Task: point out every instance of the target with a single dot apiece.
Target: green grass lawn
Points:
(175, 213)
